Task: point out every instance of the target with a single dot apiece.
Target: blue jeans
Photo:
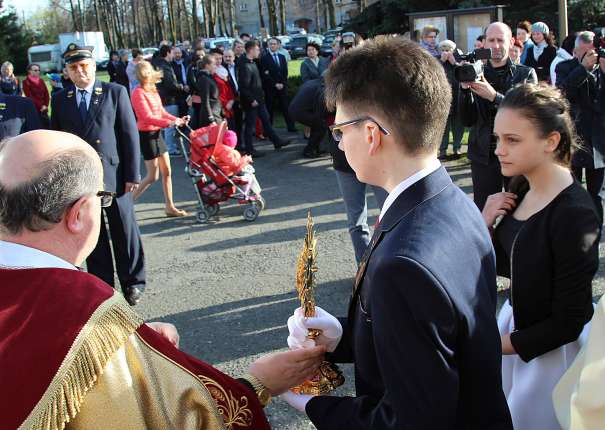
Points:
(168, 133)
(354, 196)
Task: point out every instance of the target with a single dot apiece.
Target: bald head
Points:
(43, 173)
(498, 38)
(22, 157)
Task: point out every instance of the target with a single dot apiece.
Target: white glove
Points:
(297, 401)
(299, 326)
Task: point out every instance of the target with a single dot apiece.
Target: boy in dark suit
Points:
(274, 69)
(101, 114)
(421, 327)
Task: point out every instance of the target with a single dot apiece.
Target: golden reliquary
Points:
(329, 376)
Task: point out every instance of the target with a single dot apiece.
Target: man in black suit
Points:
(236, 121)
(274, 69)
(101, 114)
(17, 115)
(179, 65)
(252, 99)
(421, 326)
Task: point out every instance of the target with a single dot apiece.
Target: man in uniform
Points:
(17, 115)
(101, 114)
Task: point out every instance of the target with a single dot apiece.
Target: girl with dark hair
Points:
(544, 51)
(546, 235)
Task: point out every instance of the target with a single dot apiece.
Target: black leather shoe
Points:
(133, 295)
(311, 153)
(281, 143)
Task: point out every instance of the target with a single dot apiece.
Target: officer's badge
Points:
(71, 46)
(70, 94)
(266, 72)
(2, 106)
(98, 91)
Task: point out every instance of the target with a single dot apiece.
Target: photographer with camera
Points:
(480, 96)
(582, 79)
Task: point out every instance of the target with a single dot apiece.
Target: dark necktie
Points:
(82, 106)
(276, 59)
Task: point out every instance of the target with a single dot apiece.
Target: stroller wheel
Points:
(251, 213)
(212, 209)
(202, 216)
(260, 203)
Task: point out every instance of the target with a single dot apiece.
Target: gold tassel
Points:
(105, 332)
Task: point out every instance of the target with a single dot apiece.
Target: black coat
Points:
(17, 115)
(207, 89)
(480, 113)
(168, 88)
(121, 75)
(555, 256)
(112, 70)
(586, 94)
(250, 83)
(421, 327)
(542, 66)
(111, 129)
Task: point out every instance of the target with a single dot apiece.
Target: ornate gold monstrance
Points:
(329, 376)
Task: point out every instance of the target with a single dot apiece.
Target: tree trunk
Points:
(272, 17)
(195, 20)
(179, 21)
(331, 14)
(282, 16)
(151, 28)
(210, 17)
(97, 15)
(135, 22)
(260, 14)
(318, 17)
(231, 6)
(74, 16)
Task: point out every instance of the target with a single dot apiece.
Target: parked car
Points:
(326, 47)
(294, 31)
(298, 44)
(148, 53)
(333, 32)
(224, 42)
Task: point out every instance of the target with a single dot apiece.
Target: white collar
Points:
(88, 89)
(15, 256)
(407, 183)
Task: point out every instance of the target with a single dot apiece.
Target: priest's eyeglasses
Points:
(106, 198)
(337, 132)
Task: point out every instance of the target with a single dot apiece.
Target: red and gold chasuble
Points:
(74, 355)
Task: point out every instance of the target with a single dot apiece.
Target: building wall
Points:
(247, 17)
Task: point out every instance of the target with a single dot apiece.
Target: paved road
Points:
(229, 285)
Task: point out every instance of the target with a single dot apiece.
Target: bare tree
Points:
(271, 9)
(282, 16)
(260, 14)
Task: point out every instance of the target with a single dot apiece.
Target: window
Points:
(243, 7)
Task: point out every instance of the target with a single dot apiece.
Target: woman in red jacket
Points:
(35, 88)
(151, 118)
(226, 95)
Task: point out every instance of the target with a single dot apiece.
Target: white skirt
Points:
(528, 387)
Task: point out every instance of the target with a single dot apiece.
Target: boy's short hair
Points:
(524, 25)
(400, 81)
(250, 44)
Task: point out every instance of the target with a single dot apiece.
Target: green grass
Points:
(294, 68)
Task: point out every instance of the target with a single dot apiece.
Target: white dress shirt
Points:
(407, 183)
(15, 256)
(89, 89)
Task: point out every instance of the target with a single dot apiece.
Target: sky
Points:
(27, 6)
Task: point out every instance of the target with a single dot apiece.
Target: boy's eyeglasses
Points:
(336, 131)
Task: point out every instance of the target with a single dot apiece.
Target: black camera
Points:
(599, 41)
(473, 68)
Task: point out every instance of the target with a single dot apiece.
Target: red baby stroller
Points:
(212, 186)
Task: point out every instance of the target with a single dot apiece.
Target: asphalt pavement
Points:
(228, 285)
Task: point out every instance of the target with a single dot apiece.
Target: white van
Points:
(47, 56)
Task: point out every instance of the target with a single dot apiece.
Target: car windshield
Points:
(329, 39)
(298, 41)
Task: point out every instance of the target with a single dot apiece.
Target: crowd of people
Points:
(422, 330)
